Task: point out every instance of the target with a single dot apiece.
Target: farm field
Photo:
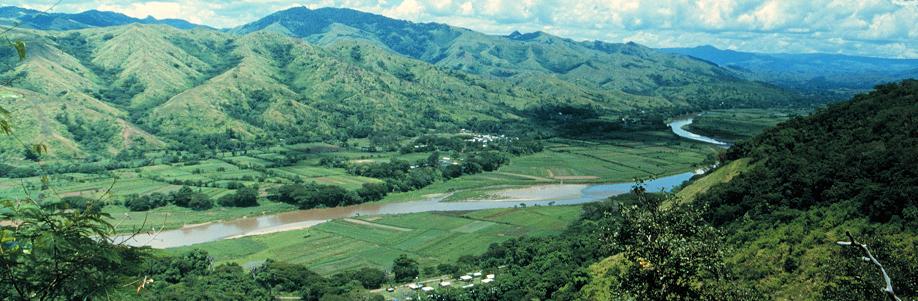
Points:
(430, 238)
(739, 124)
(577, 161)
(618, 157)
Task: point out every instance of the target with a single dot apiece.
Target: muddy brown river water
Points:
(541, 195)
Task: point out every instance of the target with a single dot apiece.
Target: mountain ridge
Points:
(808, 71)
(204, 89)
(35, 19)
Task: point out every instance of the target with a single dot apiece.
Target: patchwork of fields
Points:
(431, 238)
(639, 155)
(616, 159)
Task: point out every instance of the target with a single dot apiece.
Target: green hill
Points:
(605, 73)
(850, 167)
(334, 74)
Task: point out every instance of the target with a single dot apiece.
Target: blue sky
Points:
(884, 28)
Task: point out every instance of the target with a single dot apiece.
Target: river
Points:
(556, 195)
(678, 127)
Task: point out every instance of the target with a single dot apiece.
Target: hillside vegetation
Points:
(335, 74)
(769, 232)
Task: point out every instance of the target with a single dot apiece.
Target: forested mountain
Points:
(810, 72)
(331, 75)
(559, 67)
(30, 18)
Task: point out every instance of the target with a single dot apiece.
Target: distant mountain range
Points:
(808, 72)
(102, 83)
(34, 19)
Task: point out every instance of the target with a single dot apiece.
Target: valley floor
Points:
(374, 241)
(563, 161)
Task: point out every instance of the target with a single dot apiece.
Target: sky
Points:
(884, 28)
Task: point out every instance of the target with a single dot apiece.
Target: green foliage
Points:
(244, 197)
(447, 269)
(315, 195)
(200, 201)
(146, 202)
(369, 278)
(845, 168)
(671, 254)
(96, 135)
(54, 253)
(405, 269)
(30, 154)
(859, 150)
(192, 277)
(371, 192)
(284, 277)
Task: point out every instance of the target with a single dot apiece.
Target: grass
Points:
(430, 238)
(720, 175)
(610, 160)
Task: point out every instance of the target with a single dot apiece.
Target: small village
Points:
(425, 290)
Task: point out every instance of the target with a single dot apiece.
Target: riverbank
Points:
(429, 237)
(562, 195)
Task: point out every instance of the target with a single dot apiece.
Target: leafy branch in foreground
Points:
(869, 258)
(56, 252)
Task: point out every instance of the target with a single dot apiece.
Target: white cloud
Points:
(869, 27)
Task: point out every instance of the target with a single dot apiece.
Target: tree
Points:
(370, 278)
(182, 197)
(146, 202)
(58, 254)
(244, 197)
(371, 192)
(448, 269)
(404, 268)
(30, 154)
(673, 254)
(200, 201)
(285, 277)
(434, 159)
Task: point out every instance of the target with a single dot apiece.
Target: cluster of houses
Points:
(482, 139)
(467, 279)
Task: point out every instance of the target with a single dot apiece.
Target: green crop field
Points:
(738, 124)
(575, 161)
(431, 238)
(611, 160)
(617, 158)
